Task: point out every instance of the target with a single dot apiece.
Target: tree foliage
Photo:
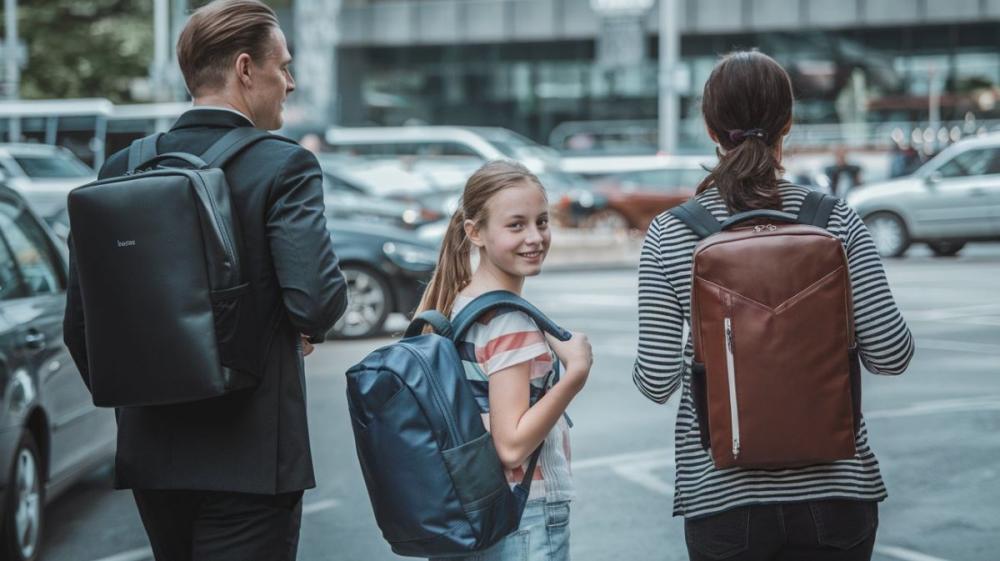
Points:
(90, 48)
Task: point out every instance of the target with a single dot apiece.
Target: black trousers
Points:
(829, 530)
(220, 526)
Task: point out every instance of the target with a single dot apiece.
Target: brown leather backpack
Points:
(775, 379)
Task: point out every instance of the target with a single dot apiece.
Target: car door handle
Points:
(34, 340)
(978, 192)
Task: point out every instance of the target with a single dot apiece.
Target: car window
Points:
(11, 284)
(32, 253)
(982, 161)
(56, 166)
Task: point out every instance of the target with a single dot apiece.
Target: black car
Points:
(387, 270)
(50, 432)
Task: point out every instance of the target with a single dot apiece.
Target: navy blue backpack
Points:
(434, 478)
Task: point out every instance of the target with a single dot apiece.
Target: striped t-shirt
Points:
(499, 340)
(663, 365)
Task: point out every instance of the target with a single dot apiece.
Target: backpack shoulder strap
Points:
(503, 299)
(433, 318)
(234, 142)
(142, 150)
(816, 209)
(697, 218)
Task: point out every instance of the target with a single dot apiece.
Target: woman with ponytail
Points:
(819, 512)
(504, 216)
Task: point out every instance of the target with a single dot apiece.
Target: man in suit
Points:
(223, 478)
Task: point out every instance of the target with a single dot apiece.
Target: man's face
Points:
(272, 83)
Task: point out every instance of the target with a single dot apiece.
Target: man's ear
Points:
(244, 69)
(472, 232)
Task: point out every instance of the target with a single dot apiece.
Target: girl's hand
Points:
(576, 354)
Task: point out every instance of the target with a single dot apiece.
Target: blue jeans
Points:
(542, 536)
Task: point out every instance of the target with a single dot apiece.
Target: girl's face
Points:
(515, 238)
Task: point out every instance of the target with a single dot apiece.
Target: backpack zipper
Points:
(228, 243)
(439, 396)
(734, 411)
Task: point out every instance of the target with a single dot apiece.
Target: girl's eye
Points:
(516, 225)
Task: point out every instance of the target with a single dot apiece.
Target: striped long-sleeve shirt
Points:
(663, 365)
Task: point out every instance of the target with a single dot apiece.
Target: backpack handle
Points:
(758, 214)
(432, 318)
(194, 161)
(504, 299)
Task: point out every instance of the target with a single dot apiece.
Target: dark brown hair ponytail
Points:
(747, 104)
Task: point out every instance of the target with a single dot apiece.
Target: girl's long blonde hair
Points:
(454, 266)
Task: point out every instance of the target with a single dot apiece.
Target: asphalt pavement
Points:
(935, 430)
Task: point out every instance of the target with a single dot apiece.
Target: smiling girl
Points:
(504, 215)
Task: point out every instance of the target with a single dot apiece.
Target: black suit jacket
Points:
(255, 441)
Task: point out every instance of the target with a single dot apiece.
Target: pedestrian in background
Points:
(843, 175)
(824, 511)
(505, 214)
(223, 478)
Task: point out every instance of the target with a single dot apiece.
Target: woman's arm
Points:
(658, 368)
(884, 340)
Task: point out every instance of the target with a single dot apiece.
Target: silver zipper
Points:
(734, 410)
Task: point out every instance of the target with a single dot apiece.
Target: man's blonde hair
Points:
(219, 32)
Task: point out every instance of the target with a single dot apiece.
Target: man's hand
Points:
(307, 347)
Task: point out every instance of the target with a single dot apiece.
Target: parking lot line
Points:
(141, 554)
(957, 346)
(904, 554)
(146, 554)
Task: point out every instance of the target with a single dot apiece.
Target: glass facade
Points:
(852, 76)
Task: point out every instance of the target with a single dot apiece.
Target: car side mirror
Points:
(933, 179)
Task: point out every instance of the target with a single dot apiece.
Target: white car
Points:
(43, 174)
(951, 200)
(442, 144)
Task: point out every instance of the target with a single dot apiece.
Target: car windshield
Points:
(54, 166)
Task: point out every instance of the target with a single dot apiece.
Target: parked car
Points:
(629, 191)
(442, 143)
(951, 200)
(50, 433)
(386, 269)
(44, 174)
(347, 198)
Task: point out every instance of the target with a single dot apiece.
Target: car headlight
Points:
(408, 256)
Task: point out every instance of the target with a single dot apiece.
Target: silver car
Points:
(951, 200)
(43, 174)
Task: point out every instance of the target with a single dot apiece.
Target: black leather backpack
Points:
(158, 258)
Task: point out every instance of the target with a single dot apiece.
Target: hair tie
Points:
(738, 135)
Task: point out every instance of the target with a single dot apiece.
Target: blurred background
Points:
(897, 111)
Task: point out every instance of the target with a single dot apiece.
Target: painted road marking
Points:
(617, 459)
(319, 506)
(957, 346)
(141, 554)
(904, 554)
(960, 405)
(146, 554)
(957, 312)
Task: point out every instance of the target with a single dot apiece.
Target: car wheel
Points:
(607, 221)
(22, 529)
(889, 233)
(368, 301)
(946, 249)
